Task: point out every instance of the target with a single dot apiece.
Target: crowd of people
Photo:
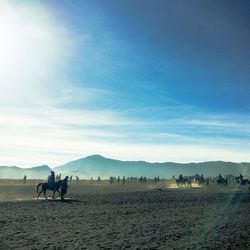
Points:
(53, 181)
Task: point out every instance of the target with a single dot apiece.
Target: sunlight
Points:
(14, 38)
(31, 44)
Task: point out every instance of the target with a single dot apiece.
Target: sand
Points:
(131, 216)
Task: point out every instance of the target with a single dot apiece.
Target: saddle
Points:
(52, 185)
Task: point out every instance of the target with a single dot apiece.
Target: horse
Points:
(239, 178)
(47, 186)
(222, 181)
(184, 181)
(201, 180)
(244, 182)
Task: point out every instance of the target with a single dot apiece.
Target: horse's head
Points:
(65, 180)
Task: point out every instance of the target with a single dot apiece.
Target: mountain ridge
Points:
(98, 165)
(14, 172)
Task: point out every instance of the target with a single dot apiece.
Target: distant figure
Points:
(24, 179)
(77, 179)
(70, 179)
(58, 177)
(222, 181)
(238, 178)
(64, 187)
(207, 182)
(123, 180)
(51, 179)
(99, 179)
(141, 179)
(111, 180)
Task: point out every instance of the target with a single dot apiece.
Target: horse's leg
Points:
(54, 194)
(44, 193)
(58, 192)
(39, 194)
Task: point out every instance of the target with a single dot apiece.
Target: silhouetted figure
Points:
(51, 179)
(141, 179)
(244, 182)
(111, 180)
(118, 179)
(24, 179)
(202, 178)
(64, 187)
(99, 179)
(238, 178)
(70, 179)
(123, 180)
(77, 179)
(184, 181)
(58, 177)
(207, 182)
(222, 181)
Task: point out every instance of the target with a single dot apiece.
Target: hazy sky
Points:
(154, 80)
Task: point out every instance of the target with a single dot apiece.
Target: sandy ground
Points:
(130, 216)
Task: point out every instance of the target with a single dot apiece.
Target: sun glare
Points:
(29, 40)
(13, 40)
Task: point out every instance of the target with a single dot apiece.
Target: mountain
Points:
(96, 165)
(39, 172)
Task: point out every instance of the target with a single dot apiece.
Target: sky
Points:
(154, 80)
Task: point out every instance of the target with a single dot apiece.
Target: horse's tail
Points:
(38, 185)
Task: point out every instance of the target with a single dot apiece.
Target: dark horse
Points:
(47, 186)
(184, 181)
(222, 182)
(244, 182)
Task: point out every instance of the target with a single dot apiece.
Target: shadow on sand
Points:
(63, 201)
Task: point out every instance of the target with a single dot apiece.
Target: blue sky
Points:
(144, 80)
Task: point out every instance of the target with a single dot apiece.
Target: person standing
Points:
(24, 179)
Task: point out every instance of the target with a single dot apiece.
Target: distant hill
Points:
(40, 172)
(96, 165)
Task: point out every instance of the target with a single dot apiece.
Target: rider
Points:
(51, 178)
